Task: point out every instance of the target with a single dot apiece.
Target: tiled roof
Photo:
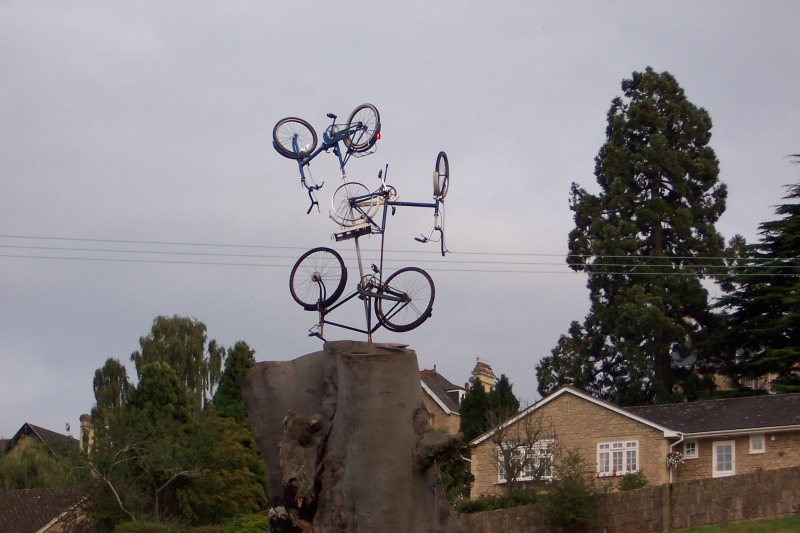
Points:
(27, 511)
(440, 386)
(51, 438)
(725, 415)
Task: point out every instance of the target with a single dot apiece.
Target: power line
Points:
(434, 269)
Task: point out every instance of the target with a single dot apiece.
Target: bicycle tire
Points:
(344, 212)
(284, 131)
(364, 138)
(307, 282)
(441, 176)
(402, 316)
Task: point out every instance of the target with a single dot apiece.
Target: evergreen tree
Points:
(645, 241)
(228, 398)
(502, 402)
(180, 342)
(473, 411)
(762, 304)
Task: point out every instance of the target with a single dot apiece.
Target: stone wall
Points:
(765, 494)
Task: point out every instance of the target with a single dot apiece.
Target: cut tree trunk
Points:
(347, 442)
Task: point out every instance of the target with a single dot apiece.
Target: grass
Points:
(783, 525)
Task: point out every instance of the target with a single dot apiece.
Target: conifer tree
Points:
(645, 241)
(228, 398)
(502, 402)
(762, 304)
(473, 411)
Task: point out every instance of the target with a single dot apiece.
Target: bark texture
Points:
(347, 442)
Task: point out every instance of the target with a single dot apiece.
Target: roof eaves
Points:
(741, 431)
(438, 401)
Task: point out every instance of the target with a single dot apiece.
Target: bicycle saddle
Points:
(331, 116)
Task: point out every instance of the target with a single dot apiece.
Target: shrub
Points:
(143, 527)
(572, 501)
(633, 481)
(253, 523)
(493, 503)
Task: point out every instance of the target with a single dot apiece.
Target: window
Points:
(690, 449)
(617, 458)
(724, 458)
(757, 444)
(536, 462)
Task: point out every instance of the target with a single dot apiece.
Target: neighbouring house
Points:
(30, 433)
(442, 398)
(38, 510)
(717, 438)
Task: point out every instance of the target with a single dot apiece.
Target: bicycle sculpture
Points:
(402, 301)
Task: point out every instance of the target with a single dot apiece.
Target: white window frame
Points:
(756, 437)
(541, 449)
(696, 453)
(714, 463)
(607, 457)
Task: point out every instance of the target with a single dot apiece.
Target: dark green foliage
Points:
(180, 342)
(454, 471)
(480, 410)
(633, 481)
(494, 502)
(228, 399)
(502, 401)
(762, 305)
(473, 411)
(143, 527)
(644, 241)
(572, 501)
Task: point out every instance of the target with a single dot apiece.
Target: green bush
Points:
(572, 502)
(143, 527)
(208, 529)
(633, 481)
(493, 503)
(253, 523)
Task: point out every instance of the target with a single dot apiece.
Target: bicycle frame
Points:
(386, 293)
(331, 137)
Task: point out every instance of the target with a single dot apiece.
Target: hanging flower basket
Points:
(674, 459)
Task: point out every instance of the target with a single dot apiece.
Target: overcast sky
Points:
(152, 121)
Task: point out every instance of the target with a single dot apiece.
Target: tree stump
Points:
(347, 442)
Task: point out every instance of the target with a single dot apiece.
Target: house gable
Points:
(568, 390)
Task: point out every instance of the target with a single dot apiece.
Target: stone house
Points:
(55, 442)
(717, 438)
(442, 398)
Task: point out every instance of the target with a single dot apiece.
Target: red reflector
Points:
(377, 136)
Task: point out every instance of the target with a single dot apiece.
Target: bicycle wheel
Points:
(406, 299)
(346, 210)
(285, 132)
(441, 176)
(318, 278)
(362, 138)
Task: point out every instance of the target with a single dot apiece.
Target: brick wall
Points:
(580, 424)
(764, 494)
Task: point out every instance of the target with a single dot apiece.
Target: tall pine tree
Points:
(763, 301)
(644, 241)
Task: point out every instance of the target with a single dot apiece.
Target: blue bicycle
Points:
(296, 139)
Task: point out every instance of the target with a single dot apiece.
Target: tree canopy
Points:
(762, 303)
(180, 342)
(480, 410)
(645, 241)
(228, 399)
